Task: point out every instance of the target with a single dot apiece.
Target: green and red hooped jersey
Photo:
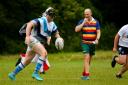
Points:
(89, 30)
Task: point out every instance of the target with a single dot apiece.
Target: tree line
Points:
(14, 13)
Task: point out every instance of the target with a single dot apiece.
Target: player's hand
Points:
(48, 40)
(62, 39)
(96, 42)
(27, 40)
(114, 49)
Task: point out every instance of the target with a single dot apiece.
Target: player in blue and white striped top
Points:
(38, 33)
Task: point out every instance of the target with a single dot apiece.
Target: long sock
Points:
(45, 65)
(85, 74)
(18, 68)
(38, 65)
(18, 61)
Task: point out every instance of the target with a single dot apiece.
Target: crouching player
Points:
(121, 43)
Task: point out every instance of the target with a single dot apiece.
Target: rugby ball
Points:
(59, 43)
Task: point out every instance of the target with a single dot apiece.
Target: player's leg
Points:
(114, 59)
(22, 57)
(123, 51)
(123, 69)
(90, 51)
(29, 55)
(86, 65)
(18, 61)
(121, 59)
(34, 60)
(39, 49)
(85, 74)
(45, 66)
(39, 63)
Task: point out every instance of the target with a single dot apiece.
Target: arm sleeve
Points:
(121, 31)
(97, 25)
(80, 22)
(35, 21)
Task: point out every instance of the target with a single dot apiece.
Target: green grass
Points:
(66, 69)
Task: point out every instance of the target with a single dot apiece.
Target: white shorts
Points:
(33, 41)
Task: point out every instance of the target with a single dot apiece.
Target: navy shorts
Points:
(122, 50)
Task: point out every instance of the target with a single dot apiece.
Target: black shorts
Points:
(122, 50)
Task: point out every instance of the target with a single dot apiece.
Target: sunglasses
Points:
(52, 15)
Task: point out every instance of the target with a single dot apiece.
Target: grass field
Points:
(65, 69)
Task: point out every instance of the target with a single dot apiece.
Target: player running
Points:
(121, 43)
(35, 40)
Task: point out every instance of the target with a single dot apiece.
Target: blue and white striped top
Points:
(46, 29)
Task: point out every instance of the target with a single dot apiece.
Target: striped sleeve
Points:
(80, 22)
(97, 25)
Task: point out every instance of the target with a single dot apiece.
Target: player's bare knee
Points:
(44, 53)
